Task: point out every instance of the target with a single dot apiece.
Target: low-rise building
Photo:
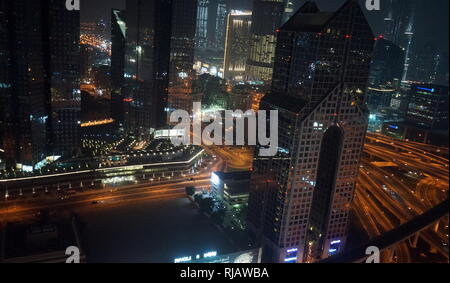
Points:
(232, 190)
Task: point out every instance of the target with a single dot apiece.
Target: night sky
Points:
(432, 16)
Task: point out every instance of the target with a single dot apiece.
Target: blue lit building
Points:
(428, 106)
(425, 119)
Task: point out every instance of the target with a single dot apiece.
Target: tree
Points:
(190, 191)
(219, 216)
(207, 205)
(198, 198)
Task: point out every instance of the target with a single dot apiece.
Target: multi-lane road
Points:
(398, 181)
(78, 196)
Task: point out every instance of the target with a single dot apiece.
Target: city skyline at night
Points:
(224, 131)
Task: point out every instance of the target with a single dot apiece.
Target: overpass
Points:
(393, 237)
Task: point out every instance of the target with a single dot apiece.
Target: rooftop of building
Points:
(235, 183)
(290, 103)
(309, 18)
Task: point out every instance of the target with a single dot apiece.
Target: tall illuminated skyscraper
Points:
(221, 24)
(425, 67)
(399, 27)
(211, 24)
(300, 199)
(428, 106)
(203, 11)
(267, 17)
(236, 46)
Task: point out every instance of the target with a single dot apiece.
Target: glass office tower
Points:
(300, 199)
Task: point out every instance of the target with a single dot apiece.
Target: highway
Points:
(411, 181)
(27, 209)
(398, 181)
(236, 158)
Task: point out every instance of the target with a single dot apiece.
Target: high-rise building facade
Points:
(159, 55)
(211, 21)
(203, 11)
(428, 106)
(400, 28)
(221, 24)
(182, 51)
(290, 7)
(147, 59)
(182, 45)
(387, 63)
(425, 67)
(267, 17)
(399, 20)
(118, 44)
(64, 62)
(237, 44)
(86, 60)
(39, 85)
(300, 199)
(5, 86)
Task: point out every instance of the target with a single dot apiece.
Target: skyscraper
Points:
(146, 63)
(203, 11)
(5, 87)
(425, 66)
(289, 9)
(387, 63)
(221, 24)
(428, 106)
(211, 21)
(399, 19)
(159, 54)
(300, 199)
(182, 44)
(267, 17)
(118, 40)
(236, 46)
(40, 82)
(399, 27)
(182, 50)
(63, 27)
